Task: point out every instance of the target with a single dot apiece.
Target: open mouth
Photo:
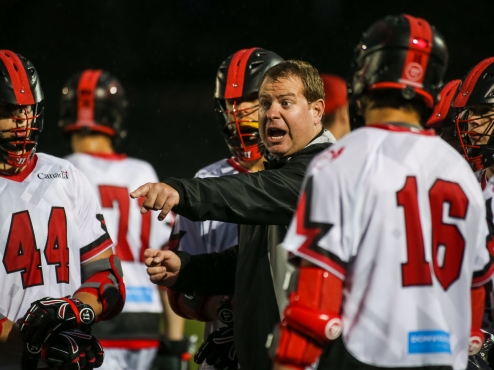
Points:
(275, 134)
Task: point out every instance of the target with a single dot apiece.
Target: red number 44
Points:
(21, 252)
(417, 271)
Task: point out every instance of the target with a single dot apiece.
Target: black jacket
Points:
(263, 204)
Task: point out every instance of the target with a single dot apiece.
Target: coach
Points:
(291, 106)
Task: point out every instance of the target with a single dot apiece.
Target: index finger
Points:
(141, 191)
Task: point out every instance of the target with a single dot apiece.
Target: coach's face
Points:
(287, 121)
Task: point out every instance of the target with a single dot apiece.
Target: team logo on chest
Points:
(56, 175)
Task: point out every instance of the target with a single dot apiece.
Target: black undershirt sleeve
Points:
(262, 198)
(207, 274)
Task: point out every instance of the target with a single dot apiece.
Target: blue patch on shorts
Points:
(139, 294)
(428, 341)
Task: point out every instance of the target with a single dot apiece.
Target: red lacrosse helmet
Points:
(475, 117)
(20, 91)
(238, 78)
(93, 101)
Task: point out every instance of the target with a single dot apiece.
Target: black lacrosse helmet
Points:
(402, 53)
(239, 78)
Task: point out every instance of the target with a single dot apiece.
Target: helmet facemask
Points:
(241, 132)
(18, 144)
(478, 146)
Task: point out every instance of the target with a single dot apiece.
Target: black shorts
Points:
(336, 357)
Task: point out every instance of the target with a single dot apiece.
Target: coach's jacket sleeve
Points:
(267, 197)
(207, 274)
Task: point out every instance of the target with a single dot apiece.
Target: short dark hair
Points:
(313, 85)
(392, 98)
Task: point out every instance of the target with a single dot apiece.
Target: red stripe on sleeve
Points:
(483, 279)
(129, 343)
(18, 77)
(107, 243)
(236, 73)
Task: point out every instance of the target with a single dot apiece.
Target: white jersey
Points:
(113, 177)
(398, 215)
(51, 222)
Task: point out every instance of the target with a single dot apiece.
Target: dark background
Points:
(166, 54)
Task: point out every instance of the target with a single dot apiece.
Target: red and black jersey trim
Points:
(232, 161)
(396, 127)
(99, 245)
(314, 232)
(485, 275)
(174, 241)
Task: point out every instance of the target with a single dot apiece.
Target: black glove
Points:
(72, 350)
(48, 315)
(218, 350)
(171, 354)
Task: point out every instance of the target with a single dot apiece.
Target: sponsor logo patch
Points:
(428, 341)
(139, 294)
(56, 175)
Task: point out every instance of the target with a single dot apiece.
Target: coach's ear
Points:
(318, 110)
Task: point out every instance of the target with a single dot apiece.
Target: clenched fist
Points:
(163, 266)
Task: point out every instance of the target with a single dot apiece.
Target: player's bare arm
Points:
(159, 197)
(163, 266)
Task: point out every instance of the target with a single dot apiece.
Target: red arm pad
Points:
(311, 318)
(104, 279)
(477, 296)
(189, 307)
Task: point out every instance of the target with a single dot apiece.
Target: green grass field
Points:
(194, 328)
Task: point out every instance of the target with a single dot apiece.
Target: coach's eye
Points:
(264, 104)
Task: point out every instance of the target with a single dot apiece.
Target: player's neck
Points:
(384, 115)
(253, 166)
(489, 172)
(97, 144)
(8, 170)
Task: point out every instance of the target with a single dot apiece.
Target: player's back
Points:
(405, 228)
(113, 176)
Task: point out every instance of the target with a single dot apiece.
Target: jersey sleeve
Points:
(316, 231)
(484, 258)
(186, 236)
(94, 237)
